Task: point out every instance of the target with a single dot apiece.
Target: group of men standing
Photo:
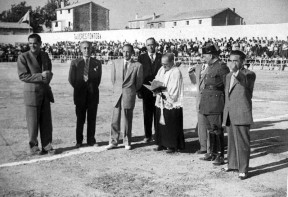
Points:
(224, 99)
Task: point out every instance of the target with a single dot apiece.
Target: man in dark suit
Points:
(151, 62)
(35, 70)
(237, 115)
(85, 76)
(127, 79)
(211, 102)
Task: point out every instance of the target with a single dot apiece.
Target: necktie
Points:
(86, 69)
(125, 69)
(39, 60)
(231, 82)
(202, 70)
(151, 57)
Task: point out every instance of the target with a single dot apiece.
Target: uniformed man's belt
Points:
(210, 87)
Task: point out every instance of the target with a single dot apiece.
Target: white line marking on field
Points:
(280, 117)
(100, 149)
(54, 157)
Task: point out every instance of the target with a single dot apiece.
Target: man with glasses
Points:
(239, 85)
(85, 76)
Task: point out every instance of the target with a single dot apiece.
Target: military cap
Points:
(210, 49)
(238, 52)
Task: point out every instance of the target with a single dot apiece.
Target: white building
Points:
(64, 19)
(198, 18)
(141, 22)
(83, 16)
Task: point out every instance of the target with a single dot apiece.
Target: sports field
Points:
(140, 172)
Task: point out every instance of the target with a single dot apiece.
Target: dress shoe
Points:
(90, 144)
(147, 140)
(219, 161)
(34, 150)
(226, 169)
(201, 151)
(159, 148)
(170, 150)
(128, 147)
(111, 146)
(49, 152)
(78, 145)
(208, 157)
(243, 176)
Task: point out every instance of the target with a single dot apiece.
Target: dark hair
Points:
(170, 56)
(129, 45)
(240, 53)
(35, 36)
(151, 38)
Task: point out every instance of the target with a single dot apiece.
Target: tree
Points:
(39, 16)
(16, 12)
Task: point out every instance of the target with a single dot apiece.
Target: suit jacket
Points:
(210, 98)
(150, 70)
(126, 88)
(238, 102)
(76, 79)
(30, 72)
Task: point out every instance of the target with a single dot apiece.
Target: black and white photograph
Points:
(143, 98)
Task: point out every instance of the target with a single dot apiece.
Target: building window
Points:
(69, 11)
(60, 11)
(187, 22)
(175, 23)
(159, 25)
(69, 23)
(56, 24)
(200, 22)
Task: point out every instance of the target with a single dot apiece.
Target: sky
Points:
(121, 11)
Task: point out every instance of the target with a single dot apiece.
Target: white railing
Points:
(271, 64)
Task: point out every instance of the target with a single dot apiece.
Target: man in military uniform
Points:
(211, 102)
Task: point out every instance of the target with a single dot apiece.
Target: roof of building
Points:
(146, 18)
(79, 4)
(10, 25)
(192, 15)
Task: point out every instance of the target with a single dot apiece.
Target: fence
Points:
(271, 64)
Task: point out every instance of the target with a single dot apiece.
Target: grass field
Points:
(140, 172)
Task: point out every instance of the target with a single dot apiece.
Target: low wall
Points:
(265, 30)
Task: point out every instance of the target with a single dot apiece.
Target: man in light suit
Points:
(196, 75)
(35, 70)
(127, 79)
(237, 115)
(85, 76)
(151, 62)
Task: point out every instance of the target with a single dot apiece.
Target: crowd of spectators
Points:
(264, 49)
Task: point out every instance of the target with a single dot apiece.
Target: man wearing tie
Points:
(211, 103)
(151, 62)
(85, 76)
(35, 70)
(237, 115)
(127, 78)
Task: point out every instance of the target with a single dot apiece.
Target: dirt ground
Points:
(141, 171)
